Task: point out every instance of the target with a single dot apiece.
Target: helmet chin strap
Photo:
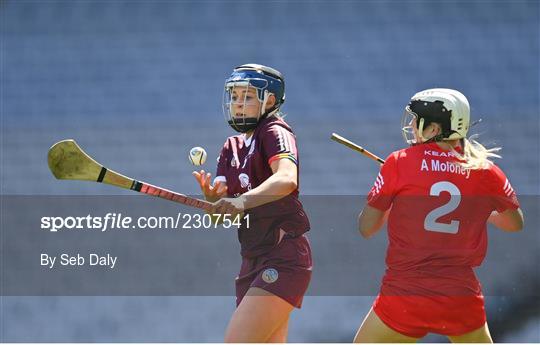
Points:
(438, 137)
(264, 101)
(272, 111)
(419, 131)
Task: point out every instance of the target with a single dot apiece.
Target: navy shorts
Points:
(285, 271)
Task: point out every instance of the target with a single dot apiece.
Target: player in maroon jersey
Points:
(438, 195)
(257, 174)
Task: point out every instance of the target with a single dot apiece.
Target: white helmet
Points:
(447, 107)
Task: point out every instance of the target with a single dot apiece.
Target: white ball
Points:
(197, 156)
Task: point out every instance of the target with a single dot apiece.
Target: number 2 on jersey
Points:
(430, 223)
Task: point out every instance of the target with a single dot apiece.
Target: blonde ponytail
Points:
(475, 155)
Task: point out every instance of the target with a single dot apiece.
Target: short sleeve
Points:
(278, 142)
(222, 163)
(383, 191)
(502, 191)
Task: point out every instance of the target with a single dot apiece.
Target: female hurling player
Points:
(437, 195)
(257, 175)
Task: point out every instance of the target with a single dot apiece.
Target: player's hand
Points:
(211, 192)
(232, 206)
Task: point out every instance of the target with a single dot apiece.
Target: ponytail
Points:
(475, 155)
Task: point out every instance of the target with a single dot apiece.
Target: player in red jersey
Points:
(257, 174)
(437, 195)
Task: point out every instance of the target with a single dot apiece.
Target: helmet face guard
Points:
(409, 121)
(241, 109)
(238, 101)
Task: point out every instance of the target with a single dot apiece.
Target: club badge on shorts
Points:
(270, 275)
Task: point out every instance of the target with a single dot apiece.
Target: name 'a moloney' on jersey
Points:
(439, 209)
(244, 163)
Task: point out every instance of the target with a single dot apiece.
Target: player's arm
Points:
(510, 220)
(507, 215)
(371, 220)
(379, 200)
(284, 181)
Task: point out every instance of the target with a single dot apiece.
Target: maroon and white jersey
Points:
(244, 164)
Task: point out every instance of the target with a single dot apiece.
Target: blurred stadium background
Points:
(138, 83)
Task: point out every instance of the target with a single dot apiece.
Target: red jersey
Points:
(244, 163)
(439, 210)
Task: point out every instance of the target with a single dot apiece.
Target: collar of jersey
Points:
(440, 149)
(248, 140)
